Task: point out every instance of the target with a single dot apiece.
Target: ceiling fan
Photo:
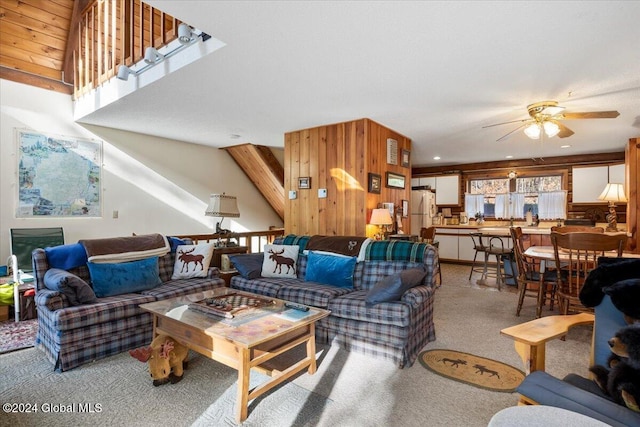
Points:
(545, 117)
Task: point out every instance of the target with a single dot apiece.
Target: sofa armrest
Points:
(531, 337)
(543, 389)
(417, 296)
(52, 300)
(213, 273)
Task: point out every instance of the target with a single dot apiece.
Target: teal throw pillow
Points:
(334, 270)
(124, 277)
(391, 288)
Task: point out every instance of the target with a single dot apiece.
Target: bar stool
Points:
(479, 247)
(498, 250)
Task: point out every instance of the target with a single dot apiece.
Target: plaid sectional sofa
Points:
(392, 330)
(73, 335)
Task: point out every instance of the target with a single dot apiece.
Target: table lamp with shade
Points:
(223, 206)
(613, 193)
(380, 217)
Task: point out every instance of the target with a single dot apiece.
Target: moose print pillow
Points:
(280, 261)
(192, 261)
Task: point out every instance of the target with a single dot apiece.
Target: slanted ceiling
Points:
(35, 42)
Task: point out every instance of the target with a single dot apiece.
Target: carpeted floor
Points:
(348, 389)
(17, 335)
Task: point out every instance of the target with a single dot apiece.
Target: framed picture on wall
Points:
(395, 180)
(304, 182)
(405, 208)
(375, 183)
(406, 158)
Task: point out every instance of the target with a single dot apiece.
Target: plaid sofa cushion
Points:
(181, 287)
(352, 306)
(263, 286)
(107, 309)
(310, 293)
(374, 271)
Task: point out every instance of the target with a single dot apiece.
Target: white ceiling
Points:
(433, 71)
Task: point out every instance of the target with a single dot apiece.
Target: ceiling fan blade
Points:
(565, 132)
(502, 138)
(591, 115)
(505, 123)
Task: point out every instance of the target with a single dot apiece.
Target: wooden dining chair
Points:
(531, 282)
(427, 234)
(577, 254)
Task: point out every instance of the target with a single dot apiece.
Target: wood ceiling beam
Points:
(33, 80)
(510, 164)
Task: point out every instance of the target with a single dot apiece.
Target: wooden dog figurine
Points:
(167, 359)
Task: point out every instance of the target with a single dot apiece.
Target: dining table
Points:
(546, 253)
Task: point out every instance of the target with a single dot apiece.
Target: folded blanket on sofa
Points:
(344, 245)
(398, 250)
(123, 249)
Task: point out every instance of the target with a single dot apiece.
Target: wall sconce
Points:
(152, 56)
(185, 34)
(124, 71)
(186, 37)
(512, 175)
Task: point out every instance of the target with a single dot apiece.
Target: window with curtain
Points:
(473, 203)
(499, 203)
(552, 205)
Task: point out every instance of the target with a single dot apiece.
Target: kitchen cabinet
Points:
(589, 181)
(447, 243)
(466, 249)
(448, 190)
(423, 182)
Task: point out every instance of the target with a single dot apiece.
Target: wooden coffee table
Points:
(244, 342)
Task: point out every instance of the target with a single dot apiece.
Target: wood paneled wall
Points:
(338, 158)
(632, 164)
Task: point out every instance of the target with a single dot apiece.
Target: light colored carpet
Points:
(348, 390)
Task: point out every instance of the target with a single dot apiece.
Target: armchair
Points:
(574, 393)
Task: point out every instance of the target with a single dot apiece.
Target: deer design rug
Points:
(471, 369)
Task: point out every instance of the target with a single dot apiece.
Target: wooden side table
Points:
(226, 275)
(216, 261)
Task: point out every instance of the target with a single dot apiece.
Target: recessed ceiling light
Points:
(565, 146)
(508, 157)
(436, 158)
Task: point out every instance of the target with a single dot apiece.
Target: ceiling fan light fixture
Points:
(551, 128)
(533, 131)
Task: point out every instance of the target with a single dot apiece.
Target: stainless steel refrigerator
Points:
(423, 208)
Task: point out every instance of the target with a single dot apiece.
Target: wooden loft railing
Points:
(254, 240)
(114, 32)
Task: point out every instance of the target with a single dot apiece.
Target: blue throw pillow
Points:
(248, 265)
(174, 242)
(66, 257)
(331, 270)
(391, 288)
(74, 288)
(125, 277)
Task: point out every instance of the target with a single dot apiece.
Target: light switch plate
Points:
(322, 193)
(293, 194)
